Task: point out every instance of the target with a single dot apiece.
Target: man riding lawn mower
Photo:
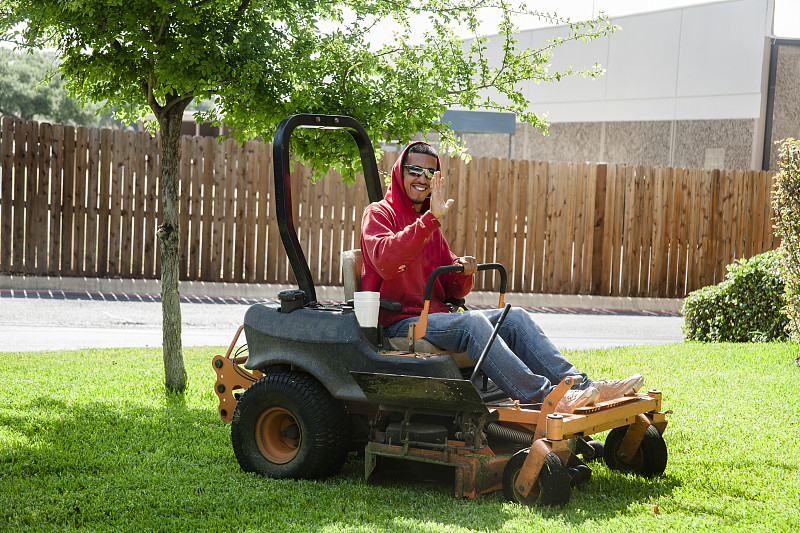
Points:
(511, 413)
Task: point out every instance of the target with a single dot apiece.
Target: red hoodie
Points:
(401, 248)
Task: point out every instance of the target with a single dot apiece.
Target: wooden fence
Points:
(84, 202)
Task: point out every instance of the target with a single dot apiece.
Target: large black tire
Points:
(287, 425)
(553, 487)
(650, 459)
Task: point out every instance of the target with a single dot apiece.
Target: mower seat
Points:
(351, 276)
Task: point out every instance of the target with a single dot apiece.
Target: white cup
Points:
(367, 305)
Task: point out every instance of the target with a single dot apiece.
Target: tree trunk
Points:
(169, 242)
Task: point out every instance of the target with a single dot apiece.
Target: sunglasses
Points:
(417, 171)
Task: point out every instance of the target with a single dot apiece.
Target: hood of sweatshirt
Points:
(396, 193)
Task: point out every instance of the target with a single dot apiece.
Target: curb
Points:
(204, 289)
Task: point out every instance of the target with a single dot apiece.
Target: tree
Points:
(31, 89)
(262, 60)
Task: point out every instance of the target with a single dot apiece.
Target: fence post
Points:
(598, 246)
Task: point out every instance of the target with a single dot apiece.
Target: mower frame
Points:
(402, 404)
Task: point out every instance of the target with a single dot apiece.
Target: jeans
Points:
(522, 361)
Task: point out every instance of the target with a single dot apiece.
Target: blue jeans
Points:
(522, 361)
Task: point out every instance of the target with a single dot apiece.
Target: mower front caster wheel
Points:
(287, 425)
(553, 486)
(650, 459)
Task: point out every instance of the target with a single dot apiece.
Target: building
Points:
(703, 86)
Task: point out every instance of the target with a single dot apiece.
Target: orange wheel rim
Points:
(278, 435)
(533, 495)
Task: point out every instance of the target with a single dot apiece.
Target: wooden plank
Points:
(262, 214)
(646, 230)
(610, 252)
(128, 195)
(554, 201)
(18, 221)
(747, 215)
(628, 228)
(618, 233)
(208, 148)
(741, 202)
(115, 221)
(578, 201)
(597, 241)
(79, 241)
(718, 222)
(493, 182)
(520, 224)
(56, 164)
(218, 235)
(68, 195)
(92, 209)
(703, 222)
(587, 248)
(185, 186)
(540, 232)
(104, 201)
(684, 189)
(251, 217)
(31, 194)
(658, 255)
(327, 273)
(728, 228)
(240, 222)
(231, 184)
(674, 198)
(45, 141)
(533, 203)
(656, 232)
(462, 214)
(336, 230)
(733, 214)
(474, 199)
(482, 189)
(667, 215)
(6, 192)
(503, 219)
(194, 204)
(693, 227)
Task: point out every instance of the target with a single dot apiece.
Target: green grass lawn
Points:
(88, 440)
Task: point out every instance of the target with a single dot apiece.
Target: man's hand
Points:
(470, 264)
(439, 206)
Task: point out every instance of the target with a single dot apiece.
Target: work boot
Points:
(575, 398)
(614, 388)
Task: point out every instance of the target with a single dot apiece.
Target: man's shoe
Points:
(576, 398)
(614, 388)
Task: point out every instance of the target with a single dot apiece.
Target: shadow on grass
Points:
(140, 468)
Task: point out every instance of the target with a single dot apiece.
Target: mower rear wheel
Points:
(650, 459)
(287, 425)
(553, 486)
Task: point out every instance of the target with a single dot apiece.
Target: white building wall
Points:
(683, 87)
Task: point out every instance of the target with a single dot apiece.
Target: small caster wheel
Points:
(553, 486)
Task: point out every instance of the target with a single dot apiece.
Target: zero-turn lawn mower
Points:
(314, 385)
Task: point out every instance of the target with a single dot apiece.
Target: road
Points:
(44, 321)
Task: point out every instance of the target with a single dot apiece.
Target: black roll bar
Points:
(283, 184)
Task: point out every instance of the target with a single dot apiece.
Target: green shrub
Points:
(786, 203)
(745, 307)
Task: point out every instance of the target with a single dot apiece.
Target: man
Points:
(401, 244)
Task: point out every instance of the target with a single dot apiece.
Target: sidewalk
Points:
(39, 314)
(47, 287)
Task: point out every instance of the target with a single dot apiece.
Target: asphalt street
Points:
(47, 320)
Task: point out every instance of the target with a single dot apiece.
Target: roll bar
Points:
(283, 184)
